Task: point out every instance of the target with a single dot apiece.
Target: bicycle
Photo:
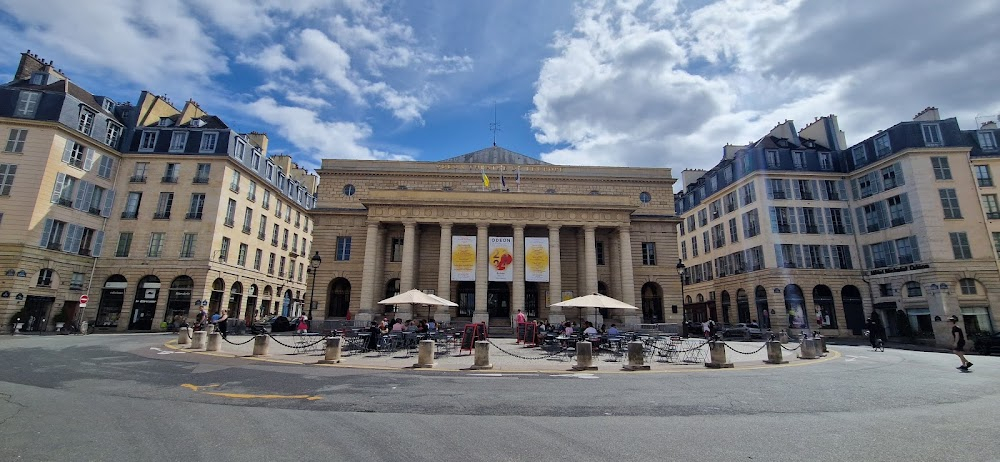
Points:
(877, 344)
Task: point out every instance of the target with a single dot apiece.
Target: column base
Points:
(364, 317)
(629, 367)
(329, 361)
(584, 368)
(768, 361)
(718, 365)
(477, 368)
(429, 366)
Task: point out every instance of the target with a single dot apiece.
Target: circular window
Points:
(349, 190)
(644, 197)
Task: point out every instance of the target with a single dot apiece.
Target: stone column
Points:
(482, 271)
(366, 311)
(555, 276)
(408, 268)
(443, 313)
(517, 297)
(611, 256)
(627, 275)
(590, 270)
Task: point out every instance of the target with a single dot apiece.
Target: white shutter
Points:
(68, 151)
(109, 200)
(98, 244)
(89, 160)
(57, 190)
(46, 232)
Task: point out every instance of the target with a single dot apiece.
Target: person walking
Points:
(959, 343)
(200, 319)
(521, 317)
(221, 323)
(302, 326)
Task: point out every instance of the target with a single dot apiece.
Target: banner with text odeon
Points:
(501, 259)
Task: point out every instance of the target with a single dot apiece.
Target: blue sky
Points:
(633, 83)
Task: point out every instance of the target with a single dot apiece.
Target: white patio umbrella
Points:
(595, 301)
(416, 297)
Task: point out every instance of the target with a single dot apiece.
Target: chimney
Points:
(929, 114)
(259, 139)
(991, 125)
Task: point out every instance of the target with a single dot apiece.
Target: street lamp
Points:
(684, 324)
(314, 263)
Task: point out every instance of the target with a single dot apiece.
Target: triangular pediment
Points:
(494, 155)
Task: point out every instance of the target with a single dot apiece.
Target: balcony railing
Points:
(778, 194)
(168, 179)
(161, 215)
(234, 188)
(229, 222)
(200, 180)
(993, 215)
(94, 211)
(784, 228)
(137, 179)
(839, 229)
(806, 195)
(898, 221)
(812, 229)
(130, 215)
(985, 182)
(64, 201)
(260, 236)
(193, 216)
(246, 230)
(54, 246)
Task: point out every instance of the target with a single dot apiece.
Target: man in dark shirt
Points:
(959, 343)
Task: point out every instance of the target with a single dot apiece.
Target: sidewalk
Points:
(505, 356)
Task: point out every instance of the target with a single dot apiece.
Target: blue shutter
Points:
(774, 219)
(46, 232)
(797, 193)
(57, 189)
(883, 215)
(797, 249)
(746, 225)
(81, 196)
(915, 247)
(876, 181)
(67, 245)
(827, 216)
(854, 189)
(109, 200)
(899, 174)
(842, 189)
(890, 253)
(861, 220)
(846, 214)
(98, 244)
(792, 218)
(823, 194)
(814, 188)
(826, 256)
(89, 160)
(68, 151)
(904, 202)
(770, 188)
(818, 216)
(868, 256)
(777, 255)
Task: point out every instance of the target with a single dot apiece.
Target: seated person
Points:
(567, 329)
(590, 331)
(431, 326)
(373, 339)
(398, 327)
(422, 327)
(613, 331)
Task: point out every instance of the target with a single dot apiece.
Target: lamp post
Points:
(314, 263)
(680, 273)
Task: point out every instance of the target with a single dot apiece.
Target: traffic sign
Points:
(84, 299)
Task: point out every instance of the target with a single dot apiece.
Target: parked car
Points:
(281, 324)
(743, 330)
(987, 344)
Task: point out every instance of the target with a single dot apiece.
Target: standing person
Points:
(706, 330)
(221, 323)
(302, 326)
(199, 320)
(959, 343)
(521, 317)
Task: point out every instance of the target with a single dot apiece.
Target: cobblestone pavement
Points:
(505, 355)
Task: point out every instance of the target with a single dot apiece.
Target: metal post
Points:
(312, 294)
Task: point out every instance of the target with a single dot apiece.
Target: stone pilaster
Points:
(378, 285)
(482, 271)
(443, 313)
(590, 270)
(555, 276)
(366, 311)
(627, 275)
(517, 296)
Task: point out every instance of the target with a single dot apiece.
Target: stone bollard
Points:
(717, 352)
(774, 353)
(783, 337)
(808, 349)
(636, 357)
(214, 342)
(425, 355)
(198, 341)
(584, 357)
(821, 347)
(482, 360)
(210, 328)
(182, 336)
(260, 345)
(332, 351)
(84, 328)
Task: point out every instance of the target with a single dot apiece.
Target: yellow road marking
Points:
(198, 388)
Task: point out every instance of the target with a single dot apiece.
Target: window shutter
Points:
(777, 255)
(890, 253)
(842, 189)
(854, 189)
(46, 232)
(793, 213)
(814, 188)
(820, 222)
(846, 215)
(98, 244)
(774, 219)
(868, 255)
(823, 194)
(899, 174)
(788, 186)
(89, 161)
(57, 190)
(797, 192)
(827, 216)
(861, 220)
(915, 247)
(68, 151)
(770, 189)
(830, 263)
(904, 202)
(798, 255)
(109, 200)
(746, 226)
(883, 215)
(81, 196)
(68, 242)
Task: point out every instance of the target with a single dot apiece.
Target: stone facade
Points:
(597, 220)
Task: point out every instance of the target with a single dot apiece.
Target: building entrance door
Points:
(498, 300)
(36, 311)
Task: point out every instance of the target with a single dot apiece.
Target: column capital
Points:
(482, 224)
(446, 224)
(625, 228)
(410, 223)
(555, 227)
(520, 226)
(374, 223)
(589, 228)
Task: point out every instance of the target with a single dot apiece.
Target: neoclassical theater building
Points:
(495, 232)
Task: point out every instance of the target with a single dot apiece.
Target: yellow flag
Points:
(486, 180)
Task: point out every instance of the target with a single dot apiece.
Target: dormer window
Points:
(197, 123)
(165, 122)
(208, 141)
(86, 120)
(932, 134)
(27, 103)
(987, 141)
(109, 105)
(39, 78)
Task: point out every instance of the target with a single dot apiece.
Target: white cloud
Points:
(305, 129)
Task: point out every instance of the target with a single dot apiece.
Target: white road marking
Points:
(576, 376)
(850, 358)
(165, 352)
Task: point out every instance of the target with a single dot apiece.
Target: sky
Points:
(661, 83)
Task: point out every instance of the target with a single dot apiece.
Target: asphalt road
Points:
(124, 397)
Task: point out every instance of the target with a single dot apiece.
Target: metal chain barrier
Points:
(790, 349)
(561, 351)
(745, 353)
(656, 348)
(240, 343)
(279, 342)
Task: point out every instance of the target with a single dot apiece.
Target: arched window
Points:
(112, 298)
(179, 299)
(340, 298)
(725, 307)
(688, 300)
(742, 306)
(652, 302)
(215, 301)
(826, 315)
(701, 298)
(795, 307)
(763, 310)
(235, 299)
(913, 289)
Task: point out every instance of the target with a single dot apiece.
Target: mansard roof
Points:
(494, 155)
